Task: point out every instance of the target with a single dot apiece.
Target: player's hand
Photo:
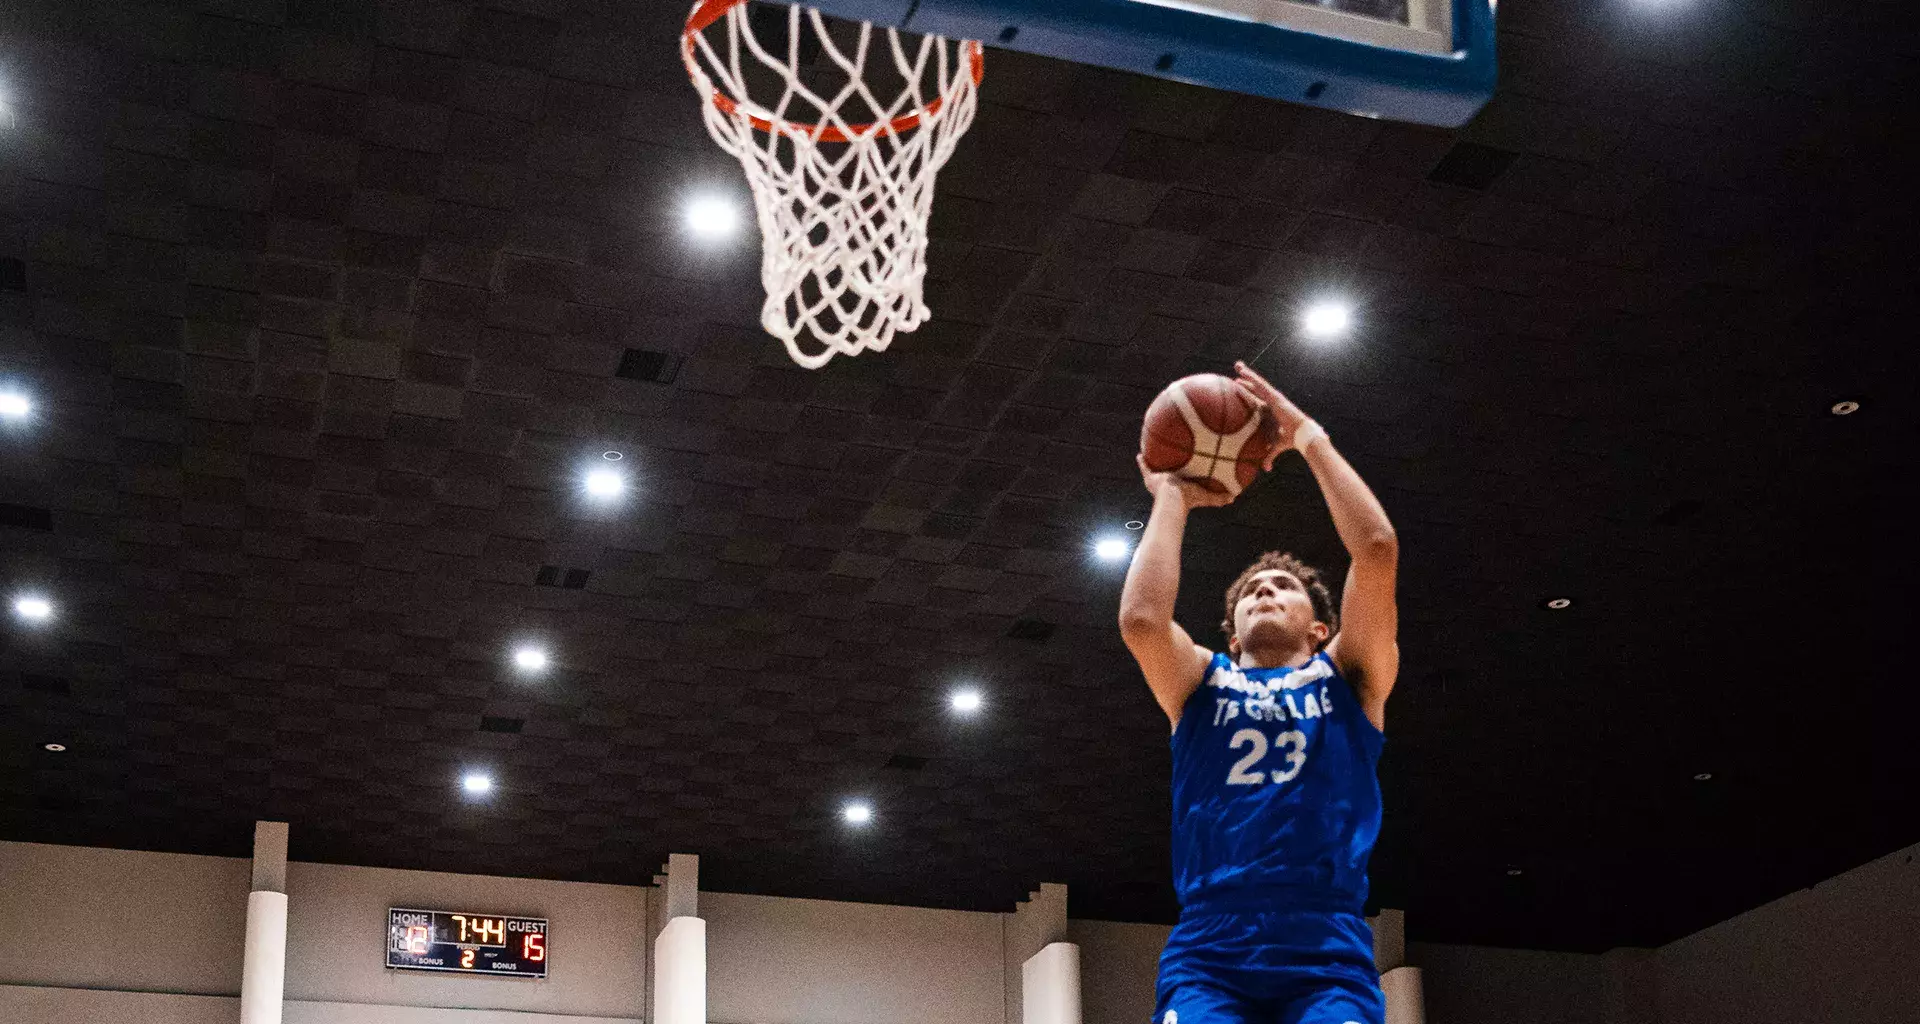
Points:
(1193, 494)
(1286, 415)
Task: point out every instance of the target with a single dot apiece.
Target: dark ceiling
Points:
(326, 303)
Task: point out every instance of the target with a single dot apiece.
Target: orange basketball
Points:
(1203, 428)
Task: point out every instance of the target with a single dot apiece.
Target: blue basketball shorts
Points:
(1269, 968)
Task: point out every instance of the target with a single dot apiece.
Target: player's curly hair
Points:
(1308, 576)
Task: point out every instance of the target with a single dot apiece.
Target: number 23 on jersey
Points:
(1290, 755)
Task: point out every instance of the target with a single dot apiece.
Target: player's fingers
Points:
(1250, 394)
(1269, 396)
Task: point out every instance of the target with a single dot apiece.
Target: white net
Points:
(841, 155)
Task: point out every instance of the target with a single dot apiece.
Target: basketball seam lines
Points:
(1220, 441)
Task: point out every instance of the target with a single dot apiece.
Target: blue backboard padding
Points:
(1221, 53)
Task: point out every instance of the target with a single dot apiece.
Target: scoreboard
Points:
(495, 945)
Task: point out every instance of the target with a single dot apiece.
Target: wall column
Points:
(680, 951)
(1389, 940)
(1042, 970)
(1406, 1000)
(1050, 985)
(263, 972)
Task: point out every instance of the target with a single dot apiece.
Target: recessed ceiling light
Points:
(1558, 604)
(605, 483)
(530, 659)
(1327, 319)
(712, 216)
(1111, 549)
(612, 456)
(14, 406)
(1135, 524)
(1703, 777)
(1514, 872)
(32, 608)
(1846, 408)
(857, 812)
(57, 747)
(966, 701)
(477, 783)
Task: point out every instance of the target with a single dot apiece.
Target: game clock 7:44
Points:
(494, 945)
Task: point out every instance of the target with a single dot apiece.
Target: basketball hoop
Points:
(842, 173)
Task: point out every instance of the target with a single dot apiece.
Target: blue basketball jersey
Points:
(1275, 799)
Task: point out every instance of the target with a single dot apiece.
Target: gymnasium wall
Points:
(1118, 962)
(336, 926)
(86, 936)
(857, 963)
(79, 917)
(1485, 985)
(1846, 951)
(1841, 952)
(771, 960)
(84, 939)
(26, 1004)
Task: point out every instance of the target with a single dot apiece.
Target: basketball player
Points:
(1275, 802)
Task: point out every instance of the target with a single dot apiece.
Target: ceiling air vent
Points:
(26, 517)
(640, 364)
(45, 684)
(906, 762)
(1471, 165)
(554, 576)
(1036, 630)
(1680, 511)
(489, 723)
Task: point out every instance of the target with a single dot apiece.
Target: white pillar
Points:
(680, 950)
(1035, 924)
(680, 973)
(263, 972)
(263, 976)
(1406, 1004)
(1050, 986)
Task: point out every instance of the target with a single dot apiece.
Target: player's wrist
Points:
(1308, 434)
(1171, 494)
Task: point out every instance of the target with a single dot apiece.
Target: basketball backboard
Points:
(1427, 61)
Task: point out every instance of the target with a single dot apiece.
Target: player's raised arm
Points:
(1168, 657)
(1367, 651)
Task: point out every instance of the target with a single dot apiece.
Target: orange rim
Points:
(711, 11)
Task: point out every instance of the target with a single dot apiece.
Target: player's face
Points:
(1275, 605)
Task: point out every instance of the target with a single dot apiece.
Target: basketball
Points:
(1204, 428)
